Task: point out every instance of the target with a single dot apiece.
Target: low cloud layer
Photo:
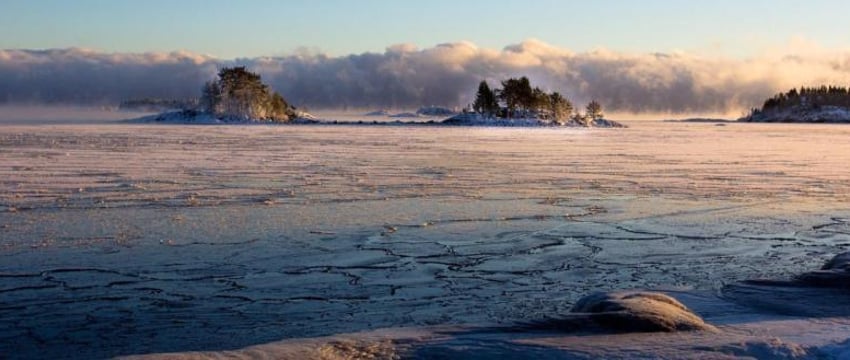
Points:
(406, 77)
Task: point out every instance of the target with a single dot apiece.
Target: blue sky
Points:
(249, 28)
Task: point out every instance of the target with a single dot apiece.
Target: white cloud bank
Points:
(446, 74)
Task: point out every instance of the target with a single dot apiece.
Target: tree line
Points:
(518, 99)
(807, 97)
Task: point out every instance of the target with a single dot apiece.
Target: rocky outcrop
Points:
(474, 119)
(379, 113)
(834, 274)
(604, 123)
(639, 311)
(435, 111)
(624, 312)
(819, 293)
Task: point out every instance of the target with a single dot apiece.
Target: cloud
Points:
(405, 76)
(82, 76)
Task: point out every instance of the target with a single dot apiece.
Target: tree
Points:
(560, 107)
(594, 110)
(520, 99)
(517, 94)
(211, 97)
(485, 100)
(241, 94)
(539, 101)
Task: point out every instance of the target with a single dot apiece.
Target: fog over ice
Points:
(404, 76)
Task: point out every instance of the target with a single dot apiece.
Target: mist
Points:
(404, 76)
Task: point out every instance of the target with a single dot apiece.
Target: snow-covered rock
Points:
(379, 113)
(405, 115)
(639, 311)
(303, 115)
(475, 119)
(435, 111)
(605, 123)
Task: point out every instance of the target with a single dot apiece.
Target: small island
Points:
(237, 96)
(518, 104)
(825, 104)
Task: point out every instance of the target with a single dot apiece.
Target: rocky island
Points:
(825, 104)
(240, 96)
(518, 104)
(237, 96)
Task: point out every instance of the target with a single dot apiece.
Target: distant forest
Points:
(807, 98)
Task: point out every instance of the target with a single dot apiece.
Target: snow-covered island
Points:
(519, 104)
(807, 105)
(237, 96)
(240, 96)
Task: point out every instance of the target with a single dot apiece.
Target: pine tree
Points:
(211, 97)
(517, 94)
(485, 100)
(539, 100)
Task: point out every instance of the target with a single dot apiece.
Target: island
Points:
(519, 104)
(825, 104)
(236, 96)
(240, 96)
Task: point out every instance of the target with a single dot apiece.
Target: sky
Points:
(230, 29)
(647, 56)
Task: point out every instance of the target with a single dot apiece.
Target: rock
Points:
(622, 312)
(379, 113)
(405, 115)
(604, 123)
(436, 111)
(814, 293)
(474, 119)
(835, 273)
(839, 262)
(639, 311)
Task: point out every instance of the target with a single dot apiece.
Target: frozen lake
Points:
(119, 239)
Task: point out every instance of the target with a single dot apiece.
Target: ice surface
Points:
(127, 239)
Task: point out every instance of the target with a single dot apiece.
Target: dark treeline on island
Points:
(824, 104)
(517, 99)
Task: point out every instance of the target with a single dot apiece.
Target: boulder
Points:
(623, 312)
(639, 311)
(835, 273)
